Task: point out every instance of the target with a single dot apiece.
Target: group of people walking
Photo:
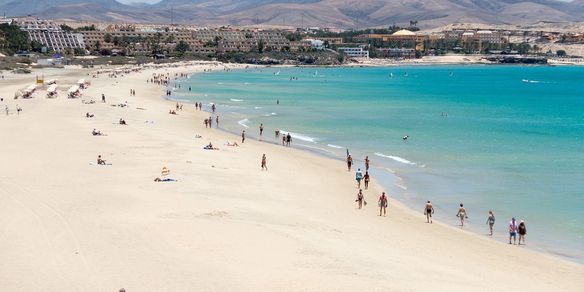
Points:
(517, 231)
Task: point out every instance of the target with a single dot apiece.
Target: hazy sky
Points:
(138, 1)
(154, 1)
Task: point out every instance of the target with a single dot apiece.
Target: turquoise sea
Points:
(503, 138)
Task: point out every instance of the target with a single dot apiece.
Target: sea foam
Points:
(396, 158)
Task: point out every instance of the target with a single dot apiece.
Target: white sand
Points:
(66, 225)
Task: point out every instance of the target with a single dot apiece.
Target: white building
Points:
(357, 52)
(51, 35)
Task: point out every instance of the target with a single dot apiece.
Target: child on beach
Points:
(100, 161)
(383, 204)
(491, 221)
(428, 211)
(461, 214)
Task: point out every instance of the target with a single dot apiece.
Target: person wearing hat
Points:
(522, 230)
(513, 230)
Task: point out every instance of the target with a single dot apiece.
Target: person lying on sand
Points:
(122, 122)
(88, 115)
(164, 179)
(172, 112)
(96, 133)
(210, 147)
(232, 144)
(198, 136)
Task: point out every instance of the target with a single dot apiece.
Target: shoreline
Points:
(321, 151)
(223, 219)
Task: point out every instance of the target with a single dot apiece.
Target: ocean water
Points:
(503, 138)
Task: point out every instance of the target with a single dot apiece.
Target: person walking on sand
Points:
(513, 230)
(6, 109)
(102, 97)
(491, 222)
(210, 122)
(288, 139)
(206, 122)
(522, 230)
(366, 180)
(429, 211)
(283, 140)
(366, 163)
(264, 163)
(261, 129)
(461, 214)
(383, 204)
(360, 199)
(349, 162)
(243, 137)
(358, 177)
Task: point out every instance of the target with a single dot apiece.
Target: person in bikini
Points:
(264, 163)
(462, 215)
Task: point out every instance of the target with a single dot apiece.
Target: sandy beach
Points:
(67, 224)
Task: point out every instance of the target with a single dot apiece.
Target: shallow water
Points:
(506, 138)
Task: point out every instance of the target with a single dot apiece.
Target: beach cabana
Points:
(52, 91)
(74, 92)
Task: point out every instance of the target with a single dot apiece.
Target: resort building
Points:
(245, 40)
(51, 35)
(357, 52)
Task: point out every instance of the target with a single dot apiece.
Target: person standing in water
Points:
(261, 129)
(366, 180)
(264, 162)
(217, 122)
(358, 177)
(360, 199)
(366, 163)
(429, 211)
(383, 204)
(243, 137)
(349, 162)
(461, 214)
(491, 222)
(513, 230)
(522, 230)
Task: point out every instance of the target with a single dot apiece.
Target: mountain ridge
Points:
(323, 13)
